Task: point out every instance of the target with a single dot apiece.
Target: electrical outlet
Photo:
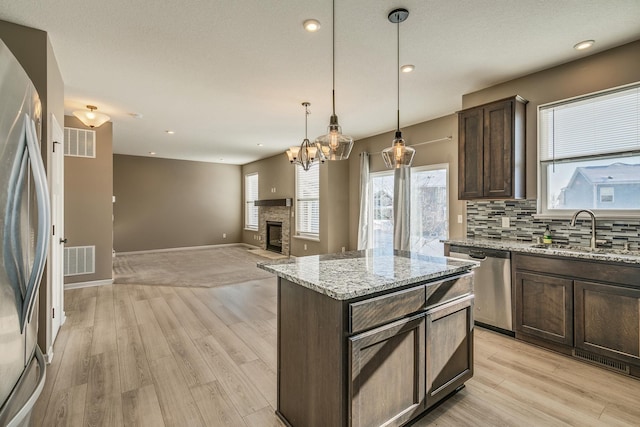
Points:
(224, 235)
(459, 219)
(343, 249)
(505, 222)
(305, 246)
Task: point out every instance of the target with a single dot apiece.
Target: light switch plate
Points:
(459, 219)
(505, 222)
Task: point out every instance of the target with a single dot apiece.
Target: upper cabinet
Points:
(491, 150)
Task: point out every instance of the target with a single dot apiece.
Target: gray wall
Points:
(33, 50)
(88, 187)
(276, 171)
(162, 203)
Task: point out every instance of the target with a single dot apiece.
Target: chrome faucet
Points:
(593, 224)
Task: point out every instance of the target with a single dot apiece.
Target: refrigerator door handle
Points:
(13, 255)
(44, 220)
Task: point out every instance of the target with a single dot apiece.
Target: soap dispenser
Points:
(546, 237)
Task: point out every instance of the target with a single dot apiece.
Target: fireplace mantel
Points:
(273, 202)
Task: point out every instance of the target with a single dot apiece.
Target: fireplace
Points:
(274, 236)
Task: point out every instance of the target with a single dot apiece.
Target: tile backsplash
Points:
(484, 221)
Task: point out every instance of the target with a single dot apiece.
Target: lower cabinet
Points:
(387, 373)
(449, 348)
(607, 320)
(587, 309)
(544, 307)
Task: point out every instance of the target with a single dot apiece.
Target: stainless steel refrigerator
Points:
(24, 239)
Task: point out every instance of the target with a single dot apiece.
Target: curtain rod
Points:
(446, 138)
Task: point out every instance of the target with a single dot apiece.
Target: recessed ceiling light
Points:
(311, 25)
(170, 132)
(260, 145)
(136, 115)
(407, 68)
(153, 153)
(585, 44)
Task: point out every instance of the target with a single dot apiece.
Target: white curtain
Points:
(401, 209)
(365, 189)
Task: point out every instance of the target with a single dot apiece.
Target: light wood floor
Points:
(153, 356)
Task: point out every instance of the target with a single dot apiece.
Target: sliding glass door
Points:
(429, 209)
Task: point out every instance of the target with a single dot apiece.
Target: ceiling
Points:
(227, 76)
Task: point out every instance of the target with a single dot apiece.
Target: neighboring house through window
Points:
(308, 201)
(250, 195)
(590, 153)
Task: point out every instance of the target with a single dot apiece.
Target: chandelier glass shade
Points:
(334, 145)
(90, 117)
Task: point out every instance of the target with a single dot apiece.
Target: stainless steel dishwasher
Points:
(492, 286)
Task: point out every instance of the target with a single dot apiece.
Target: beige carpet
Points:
(207, 268)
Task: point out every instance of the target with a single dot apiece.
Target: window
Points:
(308, 201)
(381, 210)
(250, 195)
(590, 153)
(429, 209)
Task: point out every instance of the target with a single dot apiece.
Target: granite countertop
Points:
(599, 254)
(353, 274)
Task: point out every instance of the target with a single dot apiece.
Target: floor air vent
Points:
(601, 361)
(79, 260)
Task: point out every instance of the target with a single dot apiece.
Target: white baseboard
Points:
(78, 285)
(185, 248)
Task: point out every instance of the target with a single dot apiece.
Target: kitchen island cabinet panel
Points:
(449, 348)
(387, 373)
(310, 371)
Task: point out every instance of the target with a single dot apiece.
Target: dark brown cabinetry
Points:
(371, 361)
(584, 308)
(607, 320)
(491, 150)
(544, 307)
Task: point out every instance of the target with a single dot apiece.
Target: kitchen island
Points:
(369, 338)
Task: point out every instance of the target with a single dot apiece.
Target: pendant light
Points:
(334, 145)
(398, 155)
(91, 118)
(306, 154)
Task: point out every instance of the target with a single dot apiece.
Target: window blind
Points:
(600, 124)
(250, 195)
(308, 200)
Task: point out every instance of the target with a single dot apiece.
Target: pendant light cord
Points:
(306, 117)
(398, 73)
(333, 55)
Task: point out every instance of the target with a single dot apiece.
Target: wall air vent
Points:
(79, 142)
(601, 361)
(79, 260)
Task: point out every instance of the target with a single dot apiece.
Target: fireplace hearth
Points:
(274, 236)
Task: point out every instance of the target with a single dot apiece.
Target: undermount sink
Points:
(574, 248)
